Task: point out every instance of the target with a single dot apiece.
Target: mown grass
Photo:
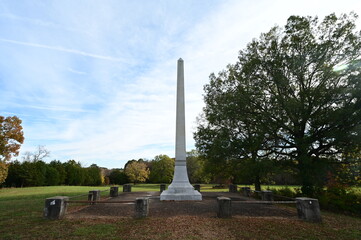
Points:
(21, 218)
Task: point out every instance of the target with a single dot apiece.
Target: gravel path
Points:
(160, 209)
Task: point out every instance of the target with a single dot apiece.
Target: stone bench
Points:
(224, 207)
(127, 188)
(94, 196)
(141, 207)
(308, 209)
(233, 188)
(55, 207)
(114, 192)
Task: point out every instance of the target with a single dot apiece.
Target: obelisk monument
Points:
(180, 189)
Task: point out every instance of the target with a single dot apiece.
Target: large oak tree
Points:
(293, 95)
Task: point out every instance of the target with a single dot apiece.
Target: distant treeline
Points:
(40, 173)
(33, 172)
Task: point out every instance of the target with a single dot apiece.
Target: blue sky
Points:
(95, 80)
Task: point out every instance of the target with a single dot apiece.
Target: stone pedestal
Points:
(267, 195)
(233, 188)
(127, 188)
(94, 195)
(180, 193)
(141, 207)
(180, 189)
(55, 207)
(114, 191)
(162, 187)
(197, 187)
(308, 209)
(246, 191)
(224, 207)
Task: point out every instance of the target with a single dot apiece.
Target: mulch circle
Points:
(159, 209)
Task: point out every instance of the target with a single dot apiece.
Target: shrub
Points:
(339, 197)
(340, 200)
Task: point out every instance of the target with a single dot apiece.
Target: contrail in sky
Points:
(61, 49)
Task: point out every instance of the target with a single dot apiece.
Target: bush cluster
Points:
(340, 200)
(336, 198)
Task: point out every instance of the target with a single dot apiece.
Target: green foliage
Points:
(93, 176)
(286, 99)
(256, 171)
(338, 196)
(28, 174)
(286, 192)
(162, 170)
(39, 173)
(14, 175)
(349, 171)
(339, 199)
(118, 177)
(137, 171)
(60, 168)
(39, 177)
(52, 176)
(335, 197)
(75, 173)
(196, 168)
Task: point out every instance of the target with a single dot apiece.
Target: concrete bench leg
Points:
(90, 197)
(127, 188)
(224, 207)
(94, 196)
(55, 207)
(141, 207)
(114, 191)
(308, 209)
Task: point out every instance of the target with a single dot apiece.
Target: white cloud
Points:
(62, 49)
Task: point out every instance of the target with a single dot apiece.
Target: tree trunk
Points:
(257, 183)
(257, 179)
(307, 178)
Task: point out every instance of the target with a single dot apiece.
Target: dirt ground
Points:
(206, 208)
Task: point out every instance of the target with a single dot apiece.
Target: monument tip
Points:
(180, 59)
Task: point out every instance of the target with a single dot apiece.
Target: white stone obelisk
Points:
(180, 189)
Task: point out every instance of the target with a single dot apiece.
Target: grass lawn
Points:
(21, 218)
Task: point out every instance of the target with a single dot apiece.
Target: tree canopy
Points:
(293, 95)
(195, 168)
(11, 138)
(137, 171)
(162, 169)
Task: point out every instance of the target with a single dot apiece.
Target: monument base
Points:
(178, 193)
